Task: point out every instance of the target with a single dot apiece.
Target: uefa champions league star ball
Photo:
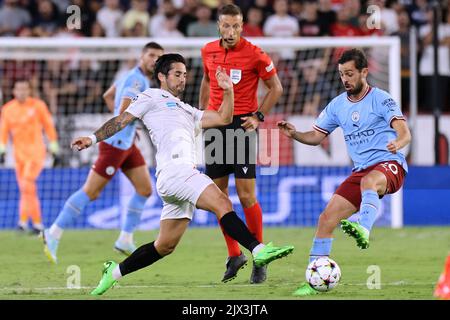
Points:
(323, 274)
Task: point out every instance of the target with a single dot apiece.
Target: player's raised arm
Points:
(312, 138)
(403, 135)
(108, 129)
(224, 115)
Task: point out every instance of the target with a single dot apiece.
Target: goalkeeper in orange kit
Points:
(23, 119)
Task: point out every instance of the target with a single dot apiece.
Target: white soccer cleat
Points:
(50, 246)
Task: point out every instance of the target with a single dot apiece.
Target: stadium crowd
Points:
(196, 18)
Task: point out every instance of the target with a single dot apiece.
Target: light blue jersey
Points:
(366, 124)
(128, 86)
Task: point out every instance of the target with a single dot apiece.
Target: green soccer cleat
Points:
(305, 289)
(356, 231)
(107, 281)
(270, 253)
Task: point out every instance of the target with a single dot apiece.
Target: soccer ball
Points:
(323, 274)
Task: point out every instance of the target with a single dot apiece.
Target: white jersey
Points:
(172, 125)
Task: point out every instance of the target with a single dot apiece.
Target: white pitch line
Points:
(397, 283)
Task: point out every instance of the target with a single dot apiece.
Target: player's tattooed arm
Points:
(113, 125)
(108, 129)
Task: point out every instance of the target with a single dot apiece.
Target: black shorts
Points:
(229, 149)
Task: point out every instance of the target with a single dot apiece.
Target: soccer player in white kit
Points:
(173, 125)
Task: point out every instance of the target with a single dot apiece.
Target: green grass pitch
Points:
(410, 261)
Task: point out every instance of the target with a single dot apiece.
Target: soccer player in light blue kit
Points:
(117, 152)
(374, 130)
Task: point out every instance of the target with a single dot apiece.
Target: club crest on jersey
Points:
(235, 75)
(355, 116)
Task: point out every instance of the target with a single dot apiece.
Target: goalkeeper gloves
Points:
(2, 153)
(54, 147)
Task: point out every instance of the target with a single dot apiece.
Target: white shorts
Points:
(180, 187)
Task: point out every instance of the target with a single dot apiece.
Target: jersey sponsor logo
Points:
(355, 116)
(235, 75)
(359, 135)
(269, 67)
(171, 104)
(110, 170)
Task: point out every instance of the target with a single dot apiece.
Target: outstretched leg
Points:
(170, 233)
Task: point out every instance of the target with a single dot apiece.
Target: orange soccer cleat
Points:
(442, 290)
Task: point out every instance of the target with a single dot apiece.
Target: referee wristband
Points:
(93, 139)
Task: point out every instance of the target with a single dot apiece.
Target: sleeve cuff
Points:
(321, 130)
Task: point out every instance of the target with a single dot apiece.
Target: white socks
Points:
(257, 249)
(125, 237)
(116, 273)
(56, 232)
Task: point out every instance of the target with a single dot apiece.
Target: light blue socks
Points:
(320, 247)
(369, 207)
(72, 209)
(134, 212)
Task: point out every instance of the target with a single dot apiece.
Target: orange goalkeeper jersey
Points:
(25, 123)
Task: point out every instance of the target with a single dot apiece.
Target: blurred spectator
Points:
(326, 16)
(252, 26)
(419, 13)
(88, 89)
(97, 30)
(314, 89)
(12, 18)
(57, 86)
(266, 8)
(62, 5)
(136, 20)
(88, 11)
(296, 8)
(165, 11)
(342, 28)
(403, 34)
(187, 15)
(203, 27)
(169, 28)
(46, 20)
(215, 9)
(426, 65)
(389, 18)
(354, 10)
(309, 22)
(110, 18)
(178, 4)
(281, 24)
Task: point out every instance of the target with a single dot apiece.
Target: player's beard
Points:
(177, 90)
(356, 90)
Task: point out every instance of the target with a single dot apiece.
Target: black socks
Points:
(237, 229)
(144, 256)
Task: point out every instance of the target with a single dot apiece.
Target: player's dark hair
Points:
(152, 45)
(230, 10)
(355, 55)
(164, 64)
